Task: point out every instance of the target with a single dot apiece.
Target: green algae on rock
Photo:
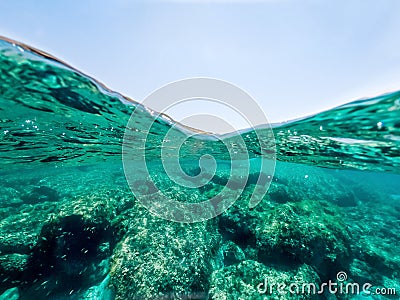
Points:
(164, 259)
(308, 232)
(253, 280)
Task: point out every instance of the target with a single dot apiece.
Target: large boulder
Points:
(305, 232)
(253, 280)
(162, 259)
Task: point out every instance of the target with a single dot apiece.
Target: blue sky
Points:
(294, 57)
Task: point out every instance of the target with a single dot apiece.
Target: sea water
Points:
(71, 228)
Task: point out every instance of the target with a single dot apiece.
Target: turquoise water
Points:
(72, 229)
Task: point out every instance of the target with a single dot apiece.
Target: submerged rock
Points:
(58, 249)
(10, 294)
(253, 280)
(231, 254)
(102, 243)
(20, 230)
(375, 237)
(160, 259)
(9, 197)
(99, 292)
(12, 264)
(280, 193)
(70, 246)
(307, 232)
(40, 194)
(12, 268)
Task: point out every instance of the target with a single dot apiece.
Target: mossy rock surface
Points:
(160, 259)
(307, 232)
(247, 279)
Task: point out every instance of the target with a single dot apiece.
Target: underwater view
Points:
(71, 228)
